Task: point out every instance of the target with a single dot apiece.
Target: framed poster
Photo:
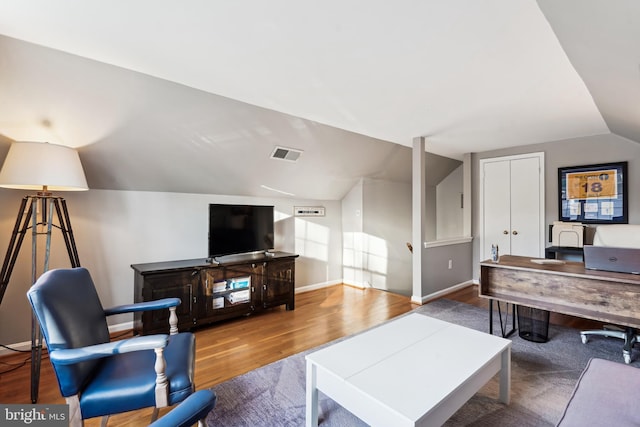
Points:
(594, 194)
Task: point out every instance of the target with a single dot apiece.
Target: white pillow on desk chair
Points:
(618, 235)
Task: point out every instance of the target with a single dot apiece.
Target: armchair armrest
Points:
(170, 303)
(193, 409)
(70, 356)
(143, 306)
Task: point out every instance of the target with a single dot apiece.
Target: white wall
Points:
(431, 232)
(352, 236)
(387, 229)
(376, 226)
(114, 229)
(448, 206)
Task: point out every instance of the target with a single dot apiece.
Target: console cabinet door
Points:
(226, 293)
(181, 284)
(279, 285)
(255, 273)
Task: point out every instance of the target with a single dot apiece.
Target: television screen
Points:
(236, 229)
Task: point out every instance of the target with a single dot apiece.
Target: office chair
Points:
(99, 377)
(621, 236)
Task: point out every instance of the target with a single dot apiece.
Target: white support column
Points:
(466, 195)
(418, 214)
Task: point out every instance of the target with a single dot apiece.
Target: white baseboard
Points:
(425, 299)
(19, 346)
(26, 345)
(359, 285)
(315, 286)
(121, 327)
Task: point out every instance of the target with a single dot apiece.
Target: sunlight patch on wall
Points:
(378, 281)
(365, 259)
(351, 248)
(312, 240)
(376, 254)
(352, 276)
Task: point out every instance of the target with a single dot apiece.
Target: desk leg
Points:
(312, 396)
(505, 333)
(490, 317)
(505, 376)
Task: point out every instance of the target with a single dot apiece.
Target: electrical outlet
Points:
(450, 264)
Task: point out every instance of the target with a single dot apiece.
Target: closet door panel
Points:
(497, 207)
(525, 207)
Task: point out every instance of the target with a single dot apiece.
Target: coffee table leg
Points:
(505, 376)
(312, 396)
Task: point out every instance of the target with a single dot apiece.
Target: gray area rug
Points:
(543, 376)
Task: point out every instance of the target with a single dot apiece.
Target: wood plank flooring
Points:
(232, 348)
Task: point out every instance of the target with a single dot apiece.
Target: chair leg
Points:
(629, 335)
(75, 416)
(162, 383)
(611, 333)
(104, 420)
(154, 415)
(629, 341)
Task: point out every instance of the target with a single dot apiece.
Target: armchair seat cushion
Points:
(126, 387)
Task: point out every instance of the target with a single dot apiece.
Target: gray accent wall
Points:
(438, 276)
(572, 152)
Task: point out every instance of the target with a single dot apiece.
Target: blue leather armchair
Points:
(99, 377)
(193, 409)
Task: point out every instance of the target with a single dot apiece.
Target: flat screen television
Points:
(236, 229)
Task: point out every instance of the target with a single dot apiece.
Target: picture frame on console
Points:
(595, 194)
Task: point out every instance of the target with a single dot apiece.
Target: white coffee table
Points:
(412, 371)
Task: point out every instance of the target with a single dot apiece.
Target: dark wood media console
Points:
(210, 292)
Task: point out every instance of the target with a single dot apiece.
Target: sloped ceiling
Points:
(601, 39)
(160, 95)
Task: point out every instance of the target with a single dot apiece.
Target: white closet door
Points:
(512, 201)
(497, 207)
(525, 207)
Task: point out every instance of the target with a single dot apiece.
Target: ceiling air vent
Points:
(289, 154)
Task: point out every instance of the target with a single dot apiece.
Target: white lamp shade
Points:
(38, 165)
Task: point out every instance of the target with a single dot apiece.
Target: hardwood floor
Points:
(232, 348)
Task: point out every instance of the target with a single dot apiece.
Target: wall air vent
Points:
(308, 210)
(282, 153)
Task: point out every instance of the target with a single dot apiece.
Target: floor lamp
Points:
(42, 167)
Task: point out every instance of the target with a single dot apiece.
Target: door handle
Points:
(515, 232)
(505, 232)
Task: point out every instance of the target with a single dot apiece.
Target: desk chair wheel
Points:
(585, 338)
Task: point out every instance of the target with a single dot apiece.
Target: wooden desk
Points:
(563, 288)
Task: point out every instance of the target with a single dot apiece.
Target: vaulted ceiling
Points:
(193, 97)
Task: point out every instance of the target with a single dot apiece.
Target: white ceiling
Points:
(469, 75)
